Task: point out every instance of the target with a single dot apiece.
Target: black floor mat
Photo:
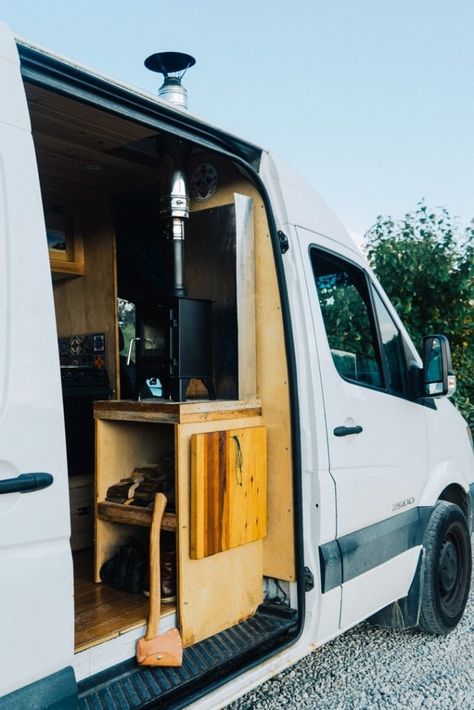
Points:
(127, 686)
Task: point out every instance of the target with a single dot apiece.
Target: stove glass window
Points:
(154, 341)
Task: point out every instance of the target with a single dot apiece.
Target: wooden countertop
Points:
(165, 411)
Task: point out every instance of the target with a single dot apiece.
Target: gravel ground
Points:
(369, 667)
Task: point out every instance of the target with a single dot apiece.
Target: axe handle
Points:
(155, 579)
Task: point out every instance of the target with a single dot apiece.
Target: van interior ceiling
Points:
(228, 532)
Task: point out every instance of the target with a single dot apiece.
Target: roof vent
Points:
(173, 66)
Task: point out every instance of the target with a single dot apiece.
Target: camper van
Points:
(219, 447)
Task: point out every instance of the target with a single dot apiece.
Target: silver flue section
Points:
(174, 211)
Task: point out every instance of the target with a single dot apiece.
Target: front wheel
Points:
(447, 569)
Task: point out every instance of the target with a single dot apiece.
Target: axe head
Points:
(164, 650)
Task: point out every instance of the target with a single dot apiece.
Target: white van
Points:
(315, 472)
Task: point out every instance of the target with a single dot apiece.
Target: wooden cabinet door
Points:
(228, 489)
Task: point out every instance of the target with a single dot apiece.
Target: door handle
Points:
(26, 482)
(346, 430)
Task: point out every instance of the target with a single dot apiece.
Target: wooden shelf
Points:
(132, 515)
(166, 412)
(66, 269)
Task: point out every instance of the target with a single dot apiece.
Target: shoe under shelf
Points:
(101, 612)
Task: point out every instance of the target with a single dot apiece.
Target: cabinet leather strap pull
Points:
(240, 462)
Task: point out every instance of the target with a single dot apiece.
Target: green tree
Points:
(126, 319)
(425, 262)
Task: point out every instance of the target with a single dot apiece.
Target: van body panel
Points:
(35, 556)
(8, 48)
(304, 207)
(382, 585)
(328, 613)
(14, 111)
(448, 441)
(445, 473)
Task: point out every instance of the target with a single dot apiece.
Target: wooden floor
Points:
(102, 613)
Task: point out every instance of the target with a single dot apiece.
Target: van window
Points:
(392, 346)
(345, 304)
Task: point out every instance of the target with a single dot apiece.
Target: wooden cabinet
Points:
(121, 446)
(219, 590)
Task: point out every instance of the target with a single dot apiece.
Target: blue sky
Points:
(372, 101)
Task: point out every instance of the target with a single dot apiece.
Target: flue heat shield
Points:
(174, 213)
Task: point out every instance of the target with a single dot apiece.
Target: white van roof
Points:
(50, 69)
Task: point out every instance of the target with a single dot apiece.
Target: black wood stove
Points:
(174, 332)
(175, 344)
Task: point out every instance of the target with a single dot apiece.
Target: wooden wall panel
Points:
(272, 373)
(88, 304)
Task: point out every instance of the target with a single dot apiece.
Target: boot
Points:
(168, 576)
(167, 571)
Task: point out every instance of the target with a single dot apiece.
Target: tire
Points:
(447, 569)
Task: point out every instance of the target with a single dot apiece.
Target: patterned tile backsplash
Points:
(87, 350)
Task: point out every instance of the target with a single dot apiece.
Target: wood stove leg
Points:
(178, 389)
(208, 383)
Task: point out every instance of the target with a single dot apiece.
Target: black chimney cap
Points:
(167, 62)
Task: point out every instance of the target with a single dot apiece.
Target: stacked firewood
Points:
(140, 486)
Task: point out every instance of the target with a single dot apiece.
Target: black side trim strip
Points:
(55, 691)
(360, 551)
(330, 559)
(471, 493)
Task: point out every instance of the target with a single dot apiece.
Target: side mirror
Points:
(439, 379)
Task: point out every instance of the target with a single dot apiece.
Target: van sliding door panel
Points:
(35, 557)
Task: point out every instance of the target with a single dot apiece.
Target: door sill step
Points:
(127, 685)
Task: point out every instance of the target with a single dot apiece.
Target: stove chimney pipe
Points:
(174, 210)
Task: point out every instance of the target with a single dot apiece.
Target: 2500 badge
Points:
(402, 504)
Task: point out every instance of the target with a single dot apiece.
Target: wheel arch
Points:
(448, 482)
(454, 493)
(447, 569)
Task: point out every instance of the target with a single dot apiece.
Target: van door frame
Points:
(59, 76)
